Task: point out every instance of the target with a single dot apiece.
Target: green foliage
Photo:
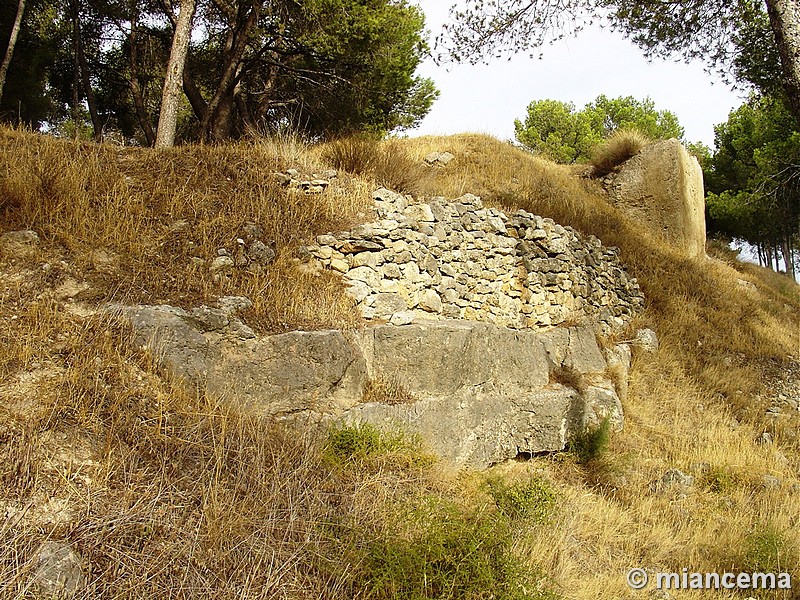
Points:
(554, 129)
(627, 113)
(590, 444)
(427, 544)
(701, 152)
(368, 52)
(753, 178)
(720, 479)
(559, 132)
(364, 446)
(321, 67)
(348, 443)
(439, 549)
(26, 97)
(533, 501)
(767, 550)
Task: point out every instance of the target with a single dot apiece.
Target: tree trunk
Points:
(12, 41)
(787, 257)
(784, 18)
(221, 124)
(83, 73)
(136, 88)
(170, 98)
(199, 105)
(236, 44)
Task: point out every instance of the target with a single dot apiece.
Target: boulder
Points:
(662, 188)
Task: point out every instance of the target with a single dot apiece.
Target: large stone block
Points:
(319, 371)
(299, 371)
(662, 188)
(481, 393)
(441, 358)
(480, 429)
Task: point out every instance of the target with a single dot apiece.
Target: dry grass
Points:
(620, 146)
(152, 213)
(387, 164)
(167, 493)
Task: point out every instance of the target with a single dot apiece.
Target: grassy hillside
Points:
(167, 494)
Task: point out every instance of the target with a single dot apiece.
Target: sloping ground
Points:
(165, 494)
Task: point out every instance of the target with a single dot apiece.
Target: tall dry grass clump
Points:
(619, 147)
(386, 163)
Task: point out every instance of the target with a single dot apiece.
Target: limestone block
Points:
(420, 212)
(662, 188)
(444, 357)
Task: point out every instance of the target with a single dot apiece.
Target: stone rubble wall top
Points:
(457, 259)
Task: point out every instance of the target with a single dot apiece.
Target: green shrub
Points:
(767, 551)
(592, 442)
(441, 550)
(353, 442)
(533, 500)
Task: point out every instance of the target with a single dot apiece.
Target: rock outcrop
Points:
(461, 303)
(480, 393)
(662, 188)
(459, 260)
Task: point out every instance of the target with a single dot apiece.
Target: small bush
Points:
(767, 551)
(533, 500)
(619, 147)
(720, 479)
(592, 442)
(363, 441)
(439, 549)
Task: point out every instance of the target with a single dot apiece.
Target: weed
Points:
(720, 479)
(439, 549)
(348, 443)
(533, 500)
(591, 443)
(767, 550)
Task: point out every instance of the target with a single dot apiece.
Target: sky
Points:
(487, 98)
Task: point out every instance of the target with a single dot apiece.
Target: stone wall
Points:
(458, 260)
(662, 188)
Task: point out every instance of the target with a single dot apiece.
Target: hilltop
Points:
(160, 489)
